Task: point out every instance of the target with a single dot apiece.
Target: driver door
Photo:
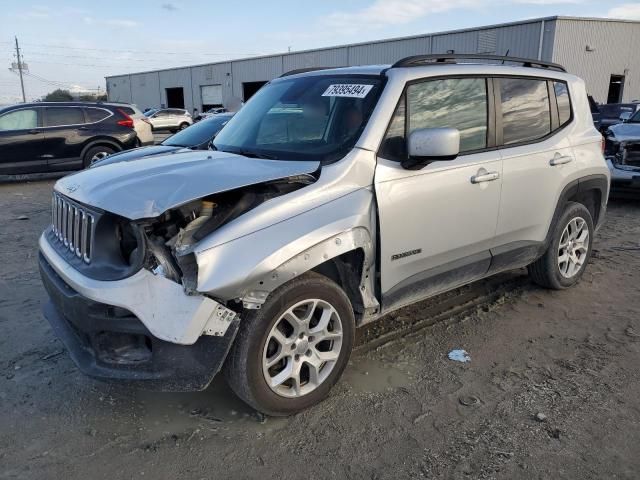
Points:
(438, 223)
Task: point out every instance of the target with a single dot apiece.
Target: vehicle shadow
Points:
(32, 177)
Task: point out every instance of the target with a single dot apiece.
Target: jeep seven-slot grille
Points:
(73, 226)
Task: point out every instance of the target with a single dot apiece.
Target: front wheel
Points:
(289, 354)
(183, 126)
(565, 260)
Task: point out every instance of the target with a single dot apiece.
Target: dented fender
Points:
(251, 267)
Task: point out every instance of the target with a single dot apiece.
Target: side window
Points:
(19, 120)
(60, 116)
(95, 115)
(563, 101)
(455, 102)
(526, 114)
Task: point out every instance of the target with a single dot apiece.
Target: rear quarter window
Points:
(95, 115)
(563, 101)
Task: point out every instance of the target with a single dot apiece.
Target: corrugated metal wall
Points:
(615, 51)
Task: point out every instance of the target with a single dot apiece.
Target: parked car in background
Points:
(332, 198)
(172, 119)
(210, 112)
(61, 136)
(622, 150)
(197, 137)
(141, 123)
(614, 113)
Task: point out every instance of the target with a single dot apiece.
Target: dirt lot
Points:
(403, 411)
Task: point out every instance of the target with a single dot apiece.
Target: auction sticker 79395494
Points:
(351, 90)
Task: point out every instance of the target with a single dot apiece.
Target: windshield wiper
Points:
(252, 154)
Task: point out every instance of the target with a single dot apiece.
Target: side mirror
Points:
(428, 145)
(625, 116)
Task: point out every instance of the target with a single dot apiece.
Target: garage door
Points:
(211, 94)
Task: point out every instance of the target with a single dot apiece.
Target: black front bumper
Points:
(626, 188)
(110, 343)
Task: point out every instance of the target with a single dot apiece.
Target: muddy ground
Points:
(403, 410)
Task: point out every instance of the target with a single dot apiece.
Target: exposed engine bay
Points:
(626, 155)
(170, 237)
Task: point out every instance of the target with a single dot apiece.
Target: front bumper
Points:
(624, 181)
(110, 343)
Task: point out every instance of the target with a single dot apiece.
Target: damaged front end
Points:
(624, 164)
(123, 291)
(170, 238)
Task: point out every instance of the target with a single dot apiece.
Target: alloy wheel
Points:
(573, 248)
(302, 348)
(98, 156)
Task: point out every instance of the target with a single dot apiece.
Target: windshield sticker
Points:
(350, 90)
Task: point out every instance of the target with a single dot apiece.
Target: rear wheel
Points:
(565, 260)
(289, 354)
(183, 126)
(95, 154)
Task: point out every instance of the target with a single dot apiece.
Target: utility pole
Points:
(24, 98)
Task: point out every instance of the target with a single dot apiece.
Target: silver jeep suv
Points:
(332, 198)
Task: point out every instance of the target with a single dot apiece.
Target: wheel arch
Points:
(347, 258)
(591, 191)
(96, 142)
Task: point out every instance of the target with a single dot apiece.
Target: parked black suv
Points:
(50, 137)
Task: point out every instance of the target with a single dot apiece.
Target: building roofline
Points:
(384, 40)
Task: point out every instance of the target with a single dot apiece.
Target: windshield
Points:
(150, 112)
(198, 133)
(306, 118)
(635, 118)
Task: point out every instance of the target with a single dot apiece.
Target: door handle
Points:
(560, 160)
(484, 176)
(33, 132)
(83, 128)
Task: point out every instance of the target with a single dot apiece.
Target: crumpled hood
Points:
(626, 131)
(137, 154)
(150, 186)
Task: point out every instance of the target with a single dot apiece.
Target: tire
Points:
(183, 126)
(95, 154)
(257, 342)
(550, 271)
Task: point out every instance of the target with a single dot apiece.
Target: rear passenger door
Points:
(65, 135)
(437, 224)
(537, 158)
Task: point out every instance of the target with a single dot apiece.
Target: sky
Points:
(75, 44)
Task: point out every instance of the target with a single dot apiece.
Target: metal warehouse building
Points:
(605, 53)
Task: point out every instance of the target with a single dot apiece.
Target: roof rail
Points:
(304, 70)
(423, 60)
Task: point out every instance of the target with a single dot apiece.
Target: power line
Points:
(85, 64)
(137, 51)
(56, 83)
(132, 59)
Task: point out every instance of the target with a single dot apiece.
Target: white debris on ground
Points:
(459, 356)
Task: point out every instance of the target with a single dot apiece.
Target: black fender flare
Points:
(575, 188)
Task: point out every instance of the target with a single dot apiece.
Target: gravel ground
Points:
(552, 389)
